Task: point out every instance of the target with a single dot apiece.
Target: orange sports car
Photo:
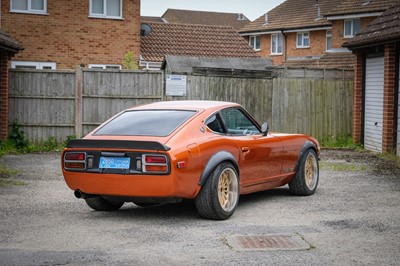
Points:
(207, 151)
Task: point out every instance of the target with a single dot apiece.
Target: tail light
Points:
(75, 161)
(152, 163)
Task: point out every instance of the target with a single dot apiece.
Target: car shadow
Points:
(185, 210)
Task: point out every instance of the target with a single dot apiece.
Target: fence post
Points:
(78, 101)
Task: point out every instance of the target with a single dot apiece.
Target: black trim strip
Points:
(117, 144)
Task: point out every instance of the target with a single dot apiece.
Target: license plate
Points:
(114, 162)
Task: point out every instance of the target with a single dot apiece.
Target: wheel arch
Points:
(214, 161)
(306, 146)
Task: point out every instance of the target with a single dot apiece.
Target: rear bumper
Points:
(143, 186)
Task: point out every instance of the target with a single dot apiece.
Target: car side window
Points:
(214, 123)
(238, 123)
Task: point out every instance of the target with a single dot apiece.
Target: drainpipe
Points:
(284, 45)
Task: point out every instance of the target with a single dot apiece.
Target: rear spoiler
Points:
(117, 144)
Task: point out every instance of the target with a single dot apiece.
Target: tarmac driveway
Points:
(353, 219)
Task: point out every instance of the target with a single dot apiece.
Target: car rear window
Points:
(145, 123)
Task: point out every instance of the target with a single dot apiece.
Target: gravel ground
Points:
(353, 219)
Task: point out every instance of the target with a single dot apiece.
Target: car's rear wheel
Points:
(101, 204)
(219, 196)
(305, 181)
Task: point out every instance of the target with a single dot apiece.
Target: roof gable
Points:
(235, 20)
(193, 40)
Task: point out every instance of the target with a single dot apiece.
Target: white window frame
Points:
(30, 10)
(352, 33)
(278, 37)
(304, 35)
(36, 65)
(253, 42)
(104, 14)
(328, 36)
(104, 66)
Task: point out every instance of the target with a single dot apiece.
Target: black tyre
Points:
(219, 196)
(101, 204)
(305, 181)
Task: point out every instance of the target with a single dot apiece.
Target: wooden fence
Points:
(320, 108)
(48, 103)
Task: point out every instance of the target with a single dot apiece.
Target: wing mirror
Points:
(265, 129)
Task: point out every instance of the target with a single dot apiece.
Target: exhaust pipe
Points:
(80, 195)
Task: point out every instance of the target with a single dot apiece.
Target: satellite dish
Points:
(145, 29)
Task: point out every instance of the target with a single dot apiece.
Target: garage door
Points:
(373, 120)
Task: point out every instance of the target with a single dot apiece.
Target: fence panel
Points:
(42, 103)
(321, 108)
(254, 94)
(105, 93)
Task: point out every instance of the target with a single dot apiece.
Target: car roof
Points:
(186, 105)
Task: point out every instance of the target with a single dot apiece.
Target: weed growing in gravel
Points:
(5, 174)
(343, 141)
(343, 167)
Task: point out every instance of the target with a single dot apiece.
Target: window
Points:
(303, 39)
(33, 65)
(276, 44)
(29, 6)
(145, 123)
(328, 40)
(106, 8)
(238, 123)
(255, 42)
(100, 66)
(351, 27)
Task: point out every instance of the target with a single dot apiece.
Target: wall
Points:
(67, 36)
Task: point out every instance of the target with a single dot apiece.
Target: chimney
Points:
(266, 19)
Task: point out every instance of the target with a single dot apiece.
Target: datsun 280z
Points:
(207, 151)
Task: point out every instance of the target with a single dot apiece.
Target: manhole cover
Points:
(268, 242)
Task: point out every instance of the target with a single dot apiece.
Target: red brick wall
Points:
(3, 95)
(338, 31)
(389, 108)
(69, 37)
(358, 98)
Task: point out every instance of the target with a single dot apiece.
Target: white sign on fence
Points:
(176, 85)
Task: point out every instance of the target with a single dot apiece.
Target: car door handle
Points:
(245, 150)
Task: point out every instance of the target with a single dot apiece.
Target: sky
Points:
(252, 9)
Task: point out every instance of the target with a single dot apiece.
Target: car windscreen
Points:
(156, 123)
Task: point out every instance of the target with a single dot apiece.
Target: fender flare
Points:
(214, 161)
(306, 146)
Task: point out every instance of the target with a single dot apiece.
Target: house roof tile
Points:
(293, 14)
(9, 43)
(235, 20)
(350, 7)
(193, 40)
(150, 19)
(383, 29)
(329, 60)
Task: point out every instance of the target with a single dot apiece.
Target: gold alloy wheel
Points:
(311, 171)
(228, 190)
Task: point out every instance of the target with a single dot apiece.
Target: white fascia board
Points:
(260, 33)
(309, 29)
(353, 16)
(284, 31)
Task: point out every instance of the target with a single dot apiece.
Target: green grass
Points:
(342, 141)
(343, 167)
(5, 177)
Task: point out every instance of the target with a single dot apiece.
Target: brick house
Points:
(376, 121)
(161, 39)
(8, 48)
(311, 32)
(60, 34)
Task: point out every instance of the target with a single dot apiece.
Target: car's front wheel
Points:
(305, 181)
(101, 204)
(219, 196)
